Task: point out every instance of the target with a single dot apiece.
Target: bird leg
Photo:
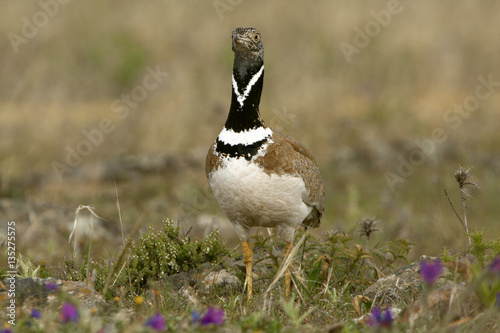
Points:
(247, 260)
(288, 249)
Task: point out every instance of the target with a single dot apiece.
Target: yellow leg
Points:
(247, 260)
(288, 249)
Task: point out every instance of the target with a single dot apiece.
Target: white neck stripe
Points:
(247, 137)
(241, 97)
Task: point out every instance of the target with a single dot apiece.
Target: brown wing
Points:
(287, 155)
(211, 161)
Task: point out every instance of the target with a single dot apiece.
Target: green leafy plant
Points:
(481, 250)
(166, 252)
(486, 285)
(156, 255)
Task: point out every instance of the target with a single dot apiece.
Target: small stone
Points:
(220, 278)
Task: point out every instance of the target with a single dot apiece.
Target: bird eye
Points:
(256, 37)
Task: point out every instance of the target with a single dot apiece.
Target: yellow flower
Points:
(138, 300)
(116, 298)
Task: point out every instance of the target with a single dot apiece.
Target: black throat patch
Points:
(245, 99)
(239, 150)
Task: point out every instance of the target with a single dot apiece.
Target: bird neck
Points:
(247, 83)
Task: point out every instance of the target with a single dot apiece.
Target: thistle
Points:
(463, 178)
(367, 226)
(465, 183)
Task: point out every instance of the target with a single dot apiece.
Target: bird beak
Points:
(239, 39)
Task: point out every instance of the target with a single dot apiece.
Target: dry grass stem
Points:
(119, 211)
(74, 231)
(285, 264)
(123, 254)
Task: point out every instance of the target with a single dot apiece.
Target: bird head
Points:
(247, 44)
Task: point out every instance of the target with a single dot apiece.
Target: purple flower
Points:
(495, 266)
(157, 322)
(497, 302)
(6, 330)
(195, 316)
(35, 313)
(213, 316)
(52, 286)
(69, 313)
(380, 318)
(431, 270)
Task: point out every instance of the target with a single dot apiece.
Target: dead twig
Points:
(453, 207)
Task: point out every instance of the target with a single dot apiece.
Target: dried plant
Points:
(367, 226)
(465, 184)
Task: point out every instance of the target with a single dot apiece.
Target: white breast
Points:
(250, 197)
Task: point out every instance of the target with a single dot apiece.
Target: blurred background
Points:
(107, 100)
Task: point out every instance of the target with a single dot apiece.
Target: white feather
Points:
(246, 137)
(241, 97)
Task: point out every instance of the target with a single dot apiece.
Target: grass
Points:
(359, 119)
(329, 279)
(345, 267)
(325, 278)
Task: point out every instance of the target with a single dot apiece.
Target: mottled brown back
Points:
(287, 155)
